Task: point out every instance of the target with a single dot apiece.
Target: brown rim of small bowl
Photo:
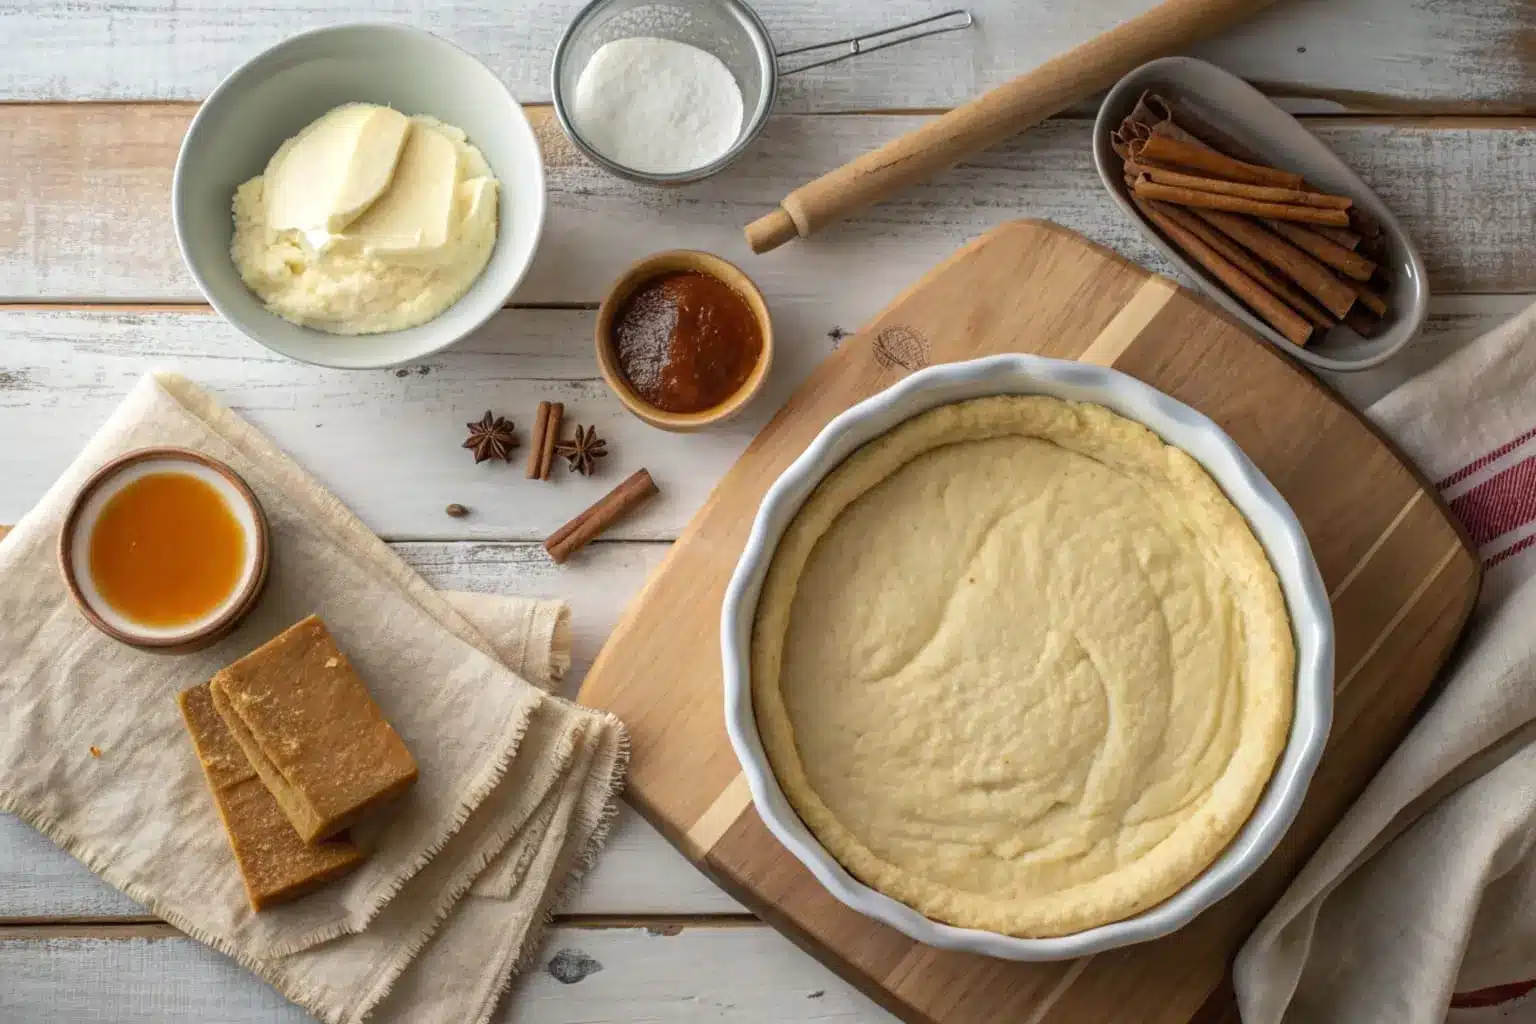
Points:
(662, 263)
(213, 631)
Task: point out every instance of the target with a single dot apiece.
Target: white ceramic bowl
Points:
(277, 93)
(1272, 521)
(1248, 116)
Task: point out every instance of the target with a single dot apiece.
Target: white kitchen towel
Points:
(1427, 886)
(493, 748)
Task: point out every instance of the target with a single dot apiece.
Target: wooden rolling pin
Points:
(994, 115)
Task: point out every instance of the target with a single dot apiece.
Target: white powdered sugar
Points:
(656, 105)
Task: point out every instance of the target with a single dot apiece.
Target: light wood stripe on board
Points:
(1043, 1009)
(1402, 613)
(1365, 559)
(1128, 324)
(718, 818)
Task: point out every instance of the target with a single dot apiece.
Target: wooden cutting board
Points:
(1401, 577)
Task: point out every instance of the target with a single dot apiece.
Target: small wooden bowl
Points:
(197, 635)
(608, 357)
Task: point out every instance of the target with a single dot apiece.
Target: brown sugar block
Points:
(308, 726)
(275, 864)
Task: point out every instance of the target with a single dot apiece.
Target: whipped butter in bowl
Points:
(165, 549)
(366, 221)
(359, 196)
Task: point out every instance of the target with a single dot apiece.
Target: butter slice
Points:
(413, 219)
(328, 174)
(477, 208)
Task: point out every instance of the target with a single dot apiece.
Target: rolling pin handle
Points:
(771, 230)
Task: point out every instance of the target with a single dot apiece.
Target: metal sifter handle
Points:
(860, 44)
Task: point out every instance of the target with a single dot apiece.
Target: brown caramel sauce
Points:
(166, 550)
(686, 341)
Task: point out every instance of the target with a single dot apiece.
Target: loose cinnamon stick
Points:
(1162, 148)
(1148, 189)
(1235, 254)
(1194, 123)
(1363, 322)
(1255, 296)
(1264, 193)
(536, 443)
(1341, 236)
(608, 509)
(1317, 280)
(550, 439)
(1350, 264)
(1372, 300)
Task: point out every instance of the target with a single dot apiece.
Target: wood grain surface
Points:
(79, 225)
(1362, 54)
(386, 441)
(150, 975)
(1401, 576)
(84, 218)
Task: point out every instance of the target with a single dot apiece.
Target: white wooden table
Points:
(1433, 103)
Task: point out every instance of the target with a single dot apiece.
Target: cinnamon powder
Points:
(686, 341)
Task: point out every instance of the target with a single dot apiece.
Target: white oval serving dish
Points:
(1267, 512)
(1247, 115)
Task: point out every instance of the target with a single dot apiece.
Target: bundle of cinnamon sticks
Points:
(1301, 259)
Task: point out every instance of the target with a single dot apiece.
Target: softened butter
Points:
(366, 221)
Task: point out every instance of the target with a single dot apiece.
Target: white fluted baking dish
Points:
(1272, 521)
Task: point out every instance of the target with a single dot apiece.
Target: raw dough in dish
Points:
(1022, 666)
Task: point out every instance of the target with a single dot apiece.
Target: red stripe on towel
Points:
(1499, 504)
(1492, 457)
(1495, 996)
(1511, 551)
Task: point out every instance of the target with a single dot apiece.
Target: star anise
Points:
(583, 451)
(491, 438)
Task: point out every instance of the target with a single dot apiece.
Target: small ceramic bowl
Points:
(86, 509)
(277, 93)
(1245, 114)
(1273, 523)
(608, 358)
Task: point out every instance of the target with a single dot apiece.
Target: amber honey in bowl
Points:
(162, 546)
(166, 550)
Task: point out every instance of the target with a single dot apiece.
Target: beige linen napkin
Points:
(1427, 887)
(139, 815)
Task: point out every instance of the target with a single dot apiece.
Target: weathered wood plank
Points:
(1366, 53)
(639, 873)
(387, 442)
(605, 976)
(83, 207)
(63, 371)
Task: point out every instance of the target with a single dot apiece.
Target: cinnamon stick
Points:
(1341, 236)
(1363, 322)
(1264, 193)
(1162, 148)
(536, 443)
(1255, 296)
(1317, 280)
(1148, 189)
(550, 439)
(1194, 124)
(1235, 254)
(608, 509)
(1345, 261)
(1372, 300)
